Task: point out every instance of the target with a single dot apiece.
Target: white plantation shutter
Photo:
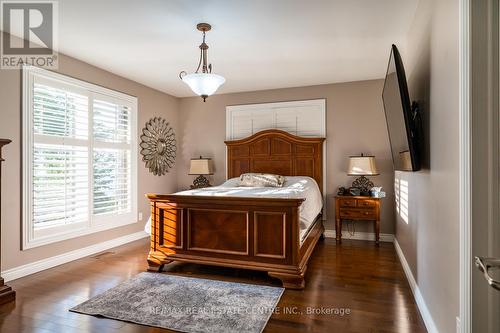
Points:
(262, 120)
(60, 185)
(286, 120)
(59, 113)
(112, 164)
(79, 158)
(60, 157)
(302, 118)
(242, 124)
(112, 174)
(111, 122)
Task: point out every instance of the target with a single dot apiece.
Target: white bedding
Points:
(294, 187)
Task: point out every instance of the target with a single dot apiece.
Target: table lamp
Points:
(201, 167)
(362, 166)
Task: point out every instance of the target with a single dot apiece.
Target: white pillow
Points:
(261, 180)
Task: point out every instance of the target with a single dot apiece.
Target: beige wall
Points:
(151, 103)
(430, 239)
(355, 124)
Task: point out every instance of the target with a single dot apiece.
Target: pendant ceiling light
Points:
(205, 83)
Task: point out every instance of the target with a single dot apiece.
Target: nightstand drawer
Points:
(368, 214)
(366, 203)
(357, 208)
(347, 202)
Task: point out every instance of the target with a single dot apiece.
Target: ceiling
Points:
(255, 45)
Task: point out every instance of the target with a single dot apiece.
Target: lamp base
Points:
(200, 182)
(364, 185)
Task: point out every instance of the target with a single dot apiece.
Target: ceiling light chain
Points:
(205, 83)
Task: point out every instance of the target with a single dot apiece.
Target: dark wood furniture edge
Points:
(356, 197)
(179, 198)
(6, 292)
(291, 274)
(277, 132)
(269, 151)
(314, 235)
(246, 151)
(297, 280)
(338, 219)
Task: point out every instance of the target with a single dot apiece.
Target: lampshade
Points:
(203, 84)
(201, 166)
(362, 166)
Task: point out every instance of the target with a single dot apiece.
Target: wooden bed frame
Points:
(250, 233)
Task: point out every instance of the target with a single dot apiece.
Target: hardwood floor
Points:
(356, 276)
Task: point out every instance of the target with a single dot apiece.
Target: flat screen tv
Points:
(401, 117)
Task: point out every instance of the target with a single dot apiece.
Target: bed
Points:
(267, 229)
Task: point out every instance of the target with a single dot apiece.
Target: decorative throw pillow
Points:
(261, 180)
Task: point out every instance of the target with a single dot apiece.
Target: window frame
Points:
(31, 237)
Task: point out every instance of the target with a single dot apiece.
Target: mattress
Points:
(296, 187)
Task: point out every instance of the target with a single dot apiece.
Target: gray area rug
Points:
(186, 304)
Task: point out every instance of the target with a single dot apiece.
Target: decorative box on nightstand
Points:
(356, 208)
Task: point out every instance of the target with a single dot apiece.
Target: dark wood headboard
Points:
(278, 152)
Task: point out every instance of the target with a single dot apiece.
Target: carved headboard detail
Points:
(278, 152)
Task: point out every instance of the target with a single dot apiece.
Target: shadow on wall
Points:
(419, 86)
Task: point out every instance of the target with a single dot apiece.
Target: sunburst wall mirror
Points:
(158, 146)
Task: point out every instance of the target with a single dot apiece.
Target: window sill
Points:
(63, 236)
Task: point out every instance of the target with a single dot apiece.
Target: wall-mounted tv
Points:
(402, 118)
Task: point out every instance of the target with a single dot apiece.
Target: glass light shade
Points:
(362, 166)
(201, 166)
(203, 84)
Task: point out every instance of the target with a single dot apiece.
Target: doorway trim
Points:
(464, 320)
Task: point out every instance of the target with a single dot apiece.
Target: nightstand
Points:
(357, 208)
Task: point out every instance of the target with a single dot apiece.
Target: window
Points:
(302, 118)
(79, 158)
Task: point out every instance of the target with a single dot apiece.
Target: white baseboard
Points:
(424, 311)
(37, 266)
(361, 236)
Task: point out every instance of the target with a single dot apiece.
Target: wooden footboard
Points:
(251, 233)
